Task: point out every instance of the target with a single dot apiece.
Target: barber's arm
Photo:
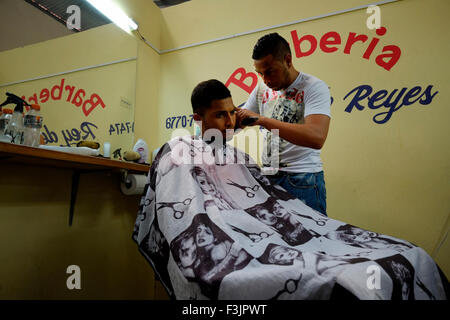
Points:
(312, 133)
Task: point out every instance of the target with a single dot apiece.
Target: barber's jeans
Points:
(308, 187)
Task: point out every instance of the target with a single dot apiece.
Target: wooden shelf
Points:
(17, 154)
(12, 153)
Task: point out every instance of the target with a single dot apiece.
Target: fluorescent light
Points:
(114, 13)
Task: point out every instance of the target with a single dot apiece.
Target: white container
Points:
(33, 124)
(107, 149)
(141, 148)
(4, 120)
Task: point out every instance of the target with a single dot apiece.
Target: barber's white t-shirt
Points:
(305, 96)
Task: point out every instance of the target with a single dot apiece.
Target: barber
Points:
(298, 106)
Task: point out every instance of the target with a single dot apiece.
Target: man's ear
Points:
(288, 59)
(197, 117)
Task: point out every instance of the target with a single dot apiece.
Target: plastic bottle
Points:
(141, 148)
(4, 120)
(15, 128)
(33, 124)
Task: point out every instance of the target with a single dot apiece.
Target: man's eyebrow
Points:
(224, 111)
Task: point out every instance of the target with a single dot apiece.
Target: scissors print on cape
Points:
(147, 202)
(177, 214)
(254, 237)
(248, 190)
(290, 286)
(200, 149)
(320, 222)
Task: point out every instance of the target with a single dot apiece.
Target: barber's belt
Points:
(280, 173)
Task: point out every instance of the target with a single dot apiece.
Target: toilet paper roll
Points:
(134, 184)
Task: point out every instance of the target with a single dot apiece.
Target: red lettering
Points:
(393, 57)
(70, 89)
(297, 44)
(26, 107)
(34, 99)
(370, 48)
(45, 94)
(59, 88)
(352, 39)
(93, 104)
(325, 41)
(329, 43)
(78, 100)
(240, 81)
(381, 32)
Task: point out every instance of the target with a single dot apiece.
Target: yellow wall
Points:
(392, 178)
(37, 244)
(93, 109)
(148, 72)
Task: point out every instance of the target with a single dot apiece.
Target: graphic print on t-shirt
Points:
(287, 107)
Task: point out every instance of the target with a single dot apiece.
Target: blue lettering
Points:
(49, 136)
(358, 96)
(391, 102)
(67, 138)
(85, 127)
(411, 94)
(428, 96)
(391, 106)
(75, 134)
(376, 96)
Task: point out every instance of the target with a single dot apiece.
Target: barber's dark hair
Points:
(207, 91)
(273, 44)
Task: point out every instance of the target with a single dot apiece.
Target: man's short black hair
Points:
(273, 44)
(207, 91)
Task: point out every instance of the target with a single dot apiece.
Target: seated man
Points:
(225, 233)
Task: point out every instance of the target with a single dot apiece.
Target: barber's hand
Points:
(242, 114)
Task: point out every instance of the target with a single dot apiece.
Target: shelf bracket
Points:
(74, 191)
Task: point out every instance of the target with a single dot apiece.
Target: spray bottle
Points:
(15, 128)
(4, 120)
